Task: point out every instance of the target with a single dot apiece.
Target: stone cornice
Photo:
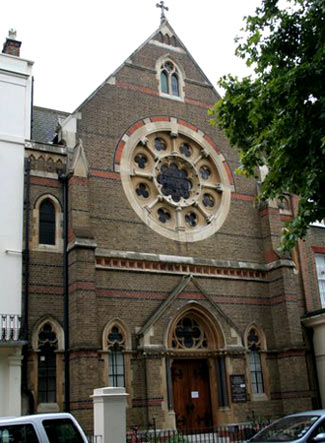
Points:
(139, 261)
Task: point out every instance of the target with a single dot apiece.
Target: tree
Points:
(276, 117)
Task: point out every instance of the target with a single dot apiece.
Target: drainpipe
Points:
(25, 295)
(64, 179)
(146, 389)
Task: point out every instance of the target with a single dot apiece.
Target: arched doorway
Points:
(197, 368)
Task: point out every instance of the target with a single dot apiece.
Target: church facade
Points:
(150, 264)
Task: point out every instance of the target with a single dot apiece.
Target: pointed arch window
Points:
(116, 347)
(164, 82)
(255, 364)
(47, 345)
(169, 79)
(47, 223)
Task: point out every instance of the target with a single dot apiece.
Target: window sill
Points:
(48, 407)
(259, 397)
(47, 248)
(172, 97)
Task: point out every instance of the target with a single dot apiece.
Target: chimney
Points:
(11, 46)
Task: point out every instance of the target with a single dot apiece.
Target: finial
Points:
(12, 34)
(163, 7)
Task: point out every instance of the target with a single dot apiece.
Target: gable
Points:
(140, 67)
(203, 301)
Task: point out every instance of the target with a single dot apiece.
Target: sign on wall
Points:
(238, 388)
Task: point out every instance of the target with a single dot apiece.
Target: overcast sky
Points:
(76, 44)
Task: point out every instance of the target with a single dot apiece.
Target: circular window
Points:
(175, 181)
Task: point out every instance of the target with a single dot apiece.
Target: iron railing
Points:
(219, 434)
(10, 327)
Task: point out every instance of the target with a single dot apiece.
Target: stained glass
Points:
(142, 190)
(185, 149)
(160, 144)
(205, 172)
(174, 182)
(141, 160)
(208, 200)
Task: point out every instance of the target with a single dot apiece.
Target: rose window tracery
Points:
(189, 334)
(176, 184)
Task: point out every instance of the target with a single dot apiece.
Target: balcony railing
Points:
(10, 327)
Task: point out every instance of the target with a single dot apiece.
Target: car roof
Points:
(34, 418)
(314, 412)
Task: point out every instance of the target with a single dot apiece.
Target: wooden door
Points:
(191, 394)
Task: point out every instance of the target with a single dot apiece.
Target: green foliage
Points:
(276, 117)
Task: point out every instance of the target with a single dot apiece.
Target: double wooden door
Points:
(191, 394)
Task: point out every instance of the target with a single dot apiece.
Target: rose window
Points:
(175, 182)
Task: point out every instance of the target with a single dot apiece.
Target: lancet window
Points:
(116, 348)
(169, 79)
(47, 345)
(255, 364)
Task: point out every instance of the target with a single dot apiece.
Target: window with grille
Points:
(320, 267)
(255, 365)
(47, 344)
(116, 347)
(47, 223)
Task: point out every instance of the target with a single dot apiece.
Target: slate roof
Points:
(45, 123)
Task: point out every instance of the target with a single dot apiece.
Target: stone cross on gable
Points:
(162, 6)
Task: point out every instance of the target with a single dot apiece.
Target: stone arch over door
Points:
(196, 368)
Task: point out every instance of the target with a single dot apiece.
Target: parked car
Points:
(41, 428)
(300, 428)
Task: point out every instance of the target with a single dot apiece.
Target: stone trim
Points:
(177, 259)
(139, 138)
(169, 47)
(34, 243)
(181, 269)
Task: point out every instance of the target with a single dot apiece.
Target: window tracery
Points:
(169, 79)
(189, 334)
(175, 184)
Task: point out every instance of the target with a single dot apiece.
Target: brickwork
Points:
(238, 277)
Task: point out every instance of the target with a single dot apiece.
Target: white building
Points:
(15, 118)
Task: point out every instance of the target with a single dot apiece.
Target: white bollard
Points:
(109, 414)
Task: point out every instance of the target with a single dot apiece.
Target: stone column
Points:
(317, 322)
(14, 396)
(109, 414)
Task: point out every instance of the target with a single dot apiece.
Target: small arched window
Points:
(47, 345)
(255, 364)
(116, 347)
(189, 334)
(169, 79)
(47, 223)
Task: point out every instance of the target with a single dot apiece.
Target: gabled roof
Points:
(163, 28)
(45, 122)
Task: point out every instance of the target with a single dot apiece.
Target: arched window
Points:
(169, 79)
(255, 363)
(164, 82)
(116, 348)
(47, 345)
(47, 223)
